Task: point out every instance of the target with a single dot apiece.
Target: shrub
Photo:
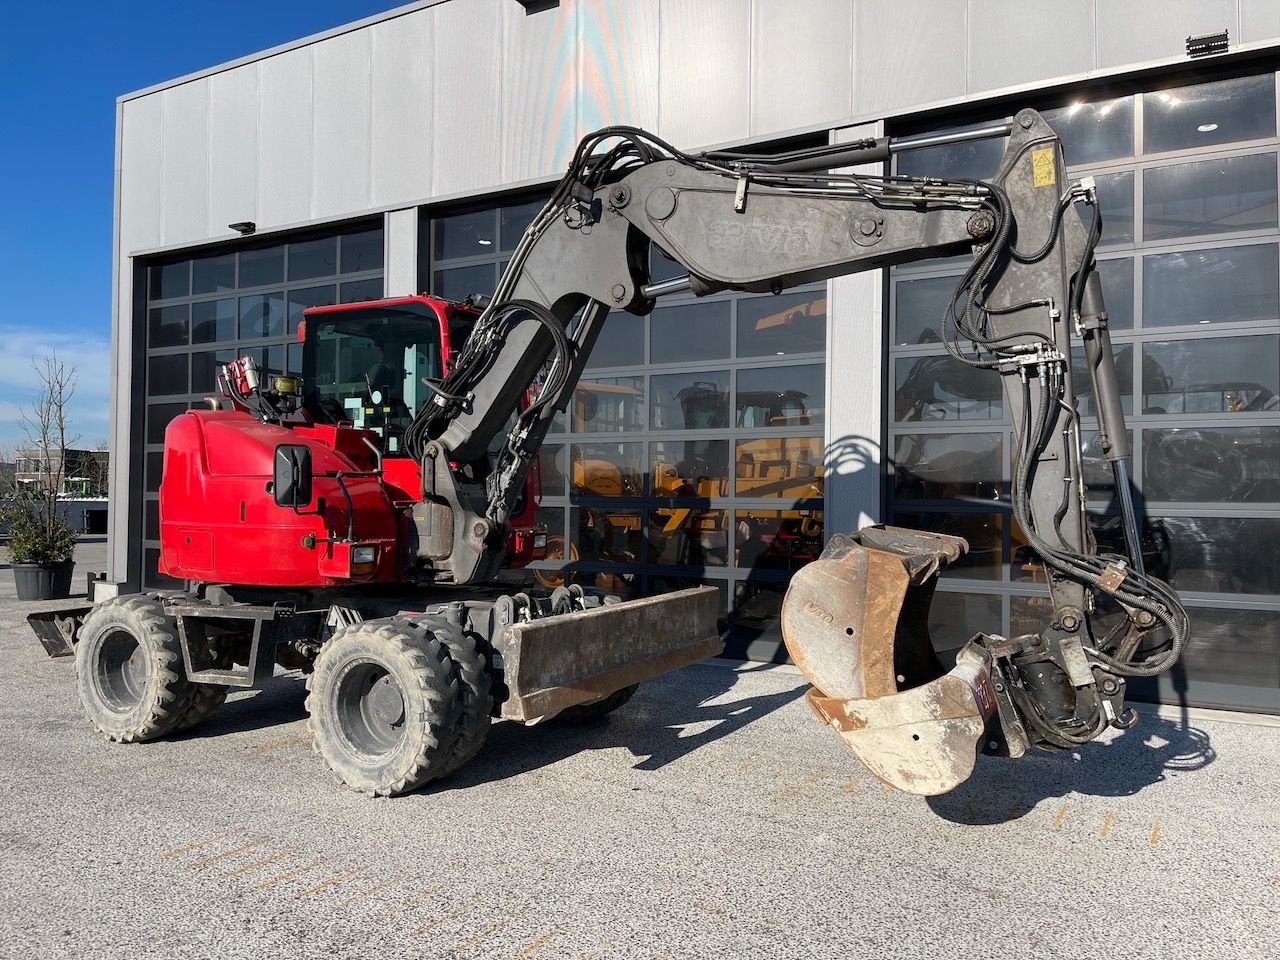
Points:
(37, 532)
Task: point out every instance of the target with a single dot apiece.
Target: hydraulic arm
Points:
(855, 620)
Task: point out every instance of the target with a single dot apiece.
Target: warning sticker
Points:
(1042, 167)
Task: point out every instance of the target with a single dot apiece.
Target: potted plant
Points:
(41, 545)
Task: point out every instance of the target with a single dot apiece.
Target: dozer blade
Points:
(856, 623)
(56, 629)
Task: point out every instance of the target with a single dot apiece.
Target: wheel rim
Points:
(370, 710)
(122, 671)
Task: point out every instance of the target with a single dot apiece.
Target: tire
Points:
(384, 706)
(475, 694)
(583, 713)
(129, 670)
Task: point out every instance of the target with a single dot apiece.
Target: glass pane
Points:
(361, 251)
(1082, 383)
(608, 405)
(167, 326)
(789, 468)
(150, 566)
(689, 536)
(260, 267)
(621, 342)
(955, 617)
(460, 282)
(1234, 646)
(786, 396)
(167, 375)
(204, 369)
(262, 316)
(776, 539)
(1224, 464)
(357, 291)
(1219, 554)
(1029, 615)
(1117, 291)
(158, 417)
(690, 401)
(313, 258)
(689, 332)
(689, 468)
(213, 321)
(977, 159)
(1098, 478)
(155, 469)
(605, 535)
(299, 300)
(170, 280)
(941, 466)
(1093, 132)
(607, 469)
(552, 460)
(1208, 113)
(1115, 200)
(919, 307)
(784, 325)
(1230, 375)
(753, 621)
(942, 388)
(271, 359)
(464, 235)
(294, 364)
(152, 528)
(662, 266)
(982, 530)
(215, 274)
(552, 520)
(514, 219)
(1211, 286)
(1210, 196)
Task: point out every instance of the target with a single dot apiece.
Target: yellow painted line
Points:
(849, 784)
(404, 905)
(1109, 819)
(326, 884)
(537, 945)
(815, 776)
(275, 858)
(447, 917)
(1062, 815)
(1155, 834)
(485, 934)
(744, 767)
(600, 950)
(352, 901)
(281, 744)
(205, 861)
(200, 843)
(289, 875)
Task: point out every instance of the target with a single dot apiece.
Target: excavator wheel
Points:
(475, 694)
(384, 706)
(129, 670)
(583, 713)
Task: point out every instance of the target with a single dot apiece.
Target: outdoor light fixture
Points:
(1207, 44)
(537, 6)
(243, 227)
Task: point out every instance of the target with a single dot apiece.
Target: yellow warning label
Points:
(1042, 167)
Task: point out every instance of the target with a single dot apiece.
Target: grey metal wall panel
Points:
(141, 150)
(1130, 31)
(285, 138)
(466, 88)
(540, 53)
(341, 148)
(233, 148)
(1012, 42)
(801, 64)
(1259, 20)
(704, 80)
(185, 163)
(907, 52)
(401, 130)
(618, 64)
(400, 271)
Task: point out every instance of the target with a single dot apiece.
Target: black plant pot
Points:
(43, 581)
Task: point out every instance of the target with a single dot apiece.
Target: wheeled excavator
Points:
(303, 540)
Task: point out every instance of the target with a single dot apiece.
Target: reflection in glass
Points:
(213, 321)
(688, 536)
(355, 291)
(552, 460)
(784, 325)
(1210, 196)
(361, 251)
(514, 219)
(690, 401)
(620, 343)
(216, 274)
(1227, 375)
(776, 539)
(975, 159)
(464, 235)
(689, 468)
(561, 552)
(1211, 286)
(1207, 113)
(608, 405)
(688, 332)
(1082, 382)
(982, 530)
(753, 621)
(607, 469)
(919, 307)
(1226, 464)
(1094, 132)
(940, 466)
(784, 396)
(1098, 477)
(262, 316)
(1116, 276)
(167, 326)
(262, 266)
(1221, 554)
(158, 417)
(662, 266)
(607, 535)
(204, 369)
(170, 280)
(299, 300)
(1234, 646)
(167, 375)
(1115, 200)
(942, 388)
(954, 618)
(313, 258)
(780, 467)
(458, 283)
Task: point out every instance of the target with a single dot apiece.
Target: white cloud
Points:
(90, 355)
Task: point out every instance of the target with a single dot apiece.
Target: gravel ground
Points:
(709, 818)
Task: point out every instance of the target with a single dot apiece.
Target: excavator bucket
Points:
(856, 623)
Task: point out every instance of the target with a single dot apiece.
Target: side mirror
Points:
(291, 482)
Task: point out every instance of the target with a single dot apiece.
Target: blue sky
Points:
(61, 69)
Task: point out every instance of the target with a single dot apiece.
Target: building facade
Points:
(718, 439)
